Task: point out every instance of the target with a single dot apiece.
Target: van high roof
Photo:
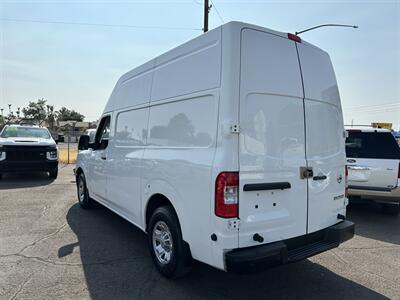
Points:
(230, 26)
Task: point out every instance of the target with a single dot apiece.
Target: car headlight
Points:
(52, 155)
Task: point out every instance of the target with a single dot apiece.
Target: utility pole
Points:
(206, 11)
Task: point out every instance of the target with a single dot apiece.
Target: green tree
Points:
(36, 110)
(65, 114)
(51, 115)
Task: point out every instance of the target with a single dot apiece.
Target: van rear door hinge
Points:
(235, 128)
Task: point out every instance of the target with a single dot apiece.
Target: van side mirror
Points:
(83, 142)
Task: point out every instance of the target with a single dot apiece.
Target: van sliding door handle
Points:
(322, 177)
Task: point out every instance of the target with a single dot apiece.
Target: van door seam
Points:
(305, 130)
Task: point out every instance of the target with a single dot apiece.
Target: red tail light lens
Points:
(346, 175)
(227, 195)
(294, 37)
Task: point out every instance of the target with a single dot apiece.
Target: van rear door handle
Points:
(266, 186)
(103, 157)
(321, 177)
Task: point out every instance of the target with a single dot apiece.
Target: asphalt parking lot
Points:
(52, 249)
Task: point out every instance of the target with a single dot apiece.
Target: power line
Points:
(98, 24)
(216, 10)
(373, 109)
(373, 105)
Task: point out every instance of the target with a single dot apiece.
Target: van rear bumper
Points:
(290, 250)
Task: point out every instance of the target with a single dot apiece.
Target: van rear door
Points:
(272, 196)
(325, 138)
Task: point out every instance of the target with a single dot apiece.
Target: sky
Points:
(75, 65)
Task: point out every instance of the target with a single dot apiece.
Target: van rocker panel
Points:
(287, 251)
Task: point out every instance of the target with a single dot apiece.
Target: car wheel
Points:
(391, 209)
(170, 254)
(83, 194)
(53, 173)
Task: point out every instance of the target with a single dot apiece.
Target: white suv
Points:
(373, 158)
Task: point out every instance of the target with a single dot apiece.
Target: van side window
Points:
(131, 128)
(103, 133)
(187, 123)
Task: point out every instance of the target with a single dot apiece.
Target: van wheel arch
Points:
(156, 201)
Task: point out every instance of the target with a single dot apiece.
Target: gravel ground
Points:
(52, 249)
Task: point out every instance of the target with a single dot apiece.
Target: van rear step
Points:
(287, 251)
(310, 250)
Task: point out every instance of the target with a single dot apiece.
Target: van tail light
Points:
(398, 172)
(227, 195)
(294, 37)
(346, 183)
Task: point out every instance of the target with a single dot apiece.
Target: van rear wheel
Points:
(170, 254)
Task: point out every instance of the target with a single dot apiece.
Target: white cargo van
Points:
(229, 149)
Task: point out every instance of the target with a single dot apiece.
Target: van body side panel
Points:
(177, 163)
(189, 69)
(125, 162)
(272, 140)
(325, 139)
(226, 152)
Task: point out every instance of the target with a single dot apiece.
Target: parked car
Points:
(226, 151)
(373, 159)
(26, 148)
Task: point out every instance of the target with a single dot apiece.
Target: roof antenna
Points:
(325, 25)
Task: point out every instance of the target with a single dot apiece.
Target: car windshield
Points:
(372, 145)
(28, 132)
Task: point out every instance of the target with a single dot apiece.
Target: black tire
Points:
(53, 173)
(179, 263)
(83, 195)
(391, 209)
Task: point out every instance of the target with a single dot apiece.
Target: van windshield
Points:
(29, 132)
(372, 145)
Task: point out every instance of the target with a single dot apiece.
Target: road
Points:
(52, 249)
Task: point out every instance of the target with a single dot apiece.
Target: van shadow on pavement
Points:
(371, 222)
(117, 265)
(24, 180)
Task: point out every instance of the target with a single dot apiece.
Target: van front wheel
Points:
(169, 252)
(83, 195)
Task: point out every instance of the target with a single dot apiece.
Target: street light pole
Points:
(206, 11)
(325, 25)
